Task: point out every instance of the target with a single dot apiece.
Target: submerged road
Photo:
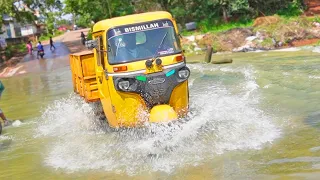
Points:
(53, 59)
(57, 58)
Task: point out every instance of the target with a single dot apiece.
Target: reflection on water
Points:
(314, 119)
(25, 95)
(257, 118)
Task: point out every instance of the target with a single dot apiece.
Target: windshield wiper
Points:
(154, 56)
(118, 47)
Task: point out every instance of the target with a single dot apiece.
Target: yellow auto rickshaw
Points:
(136, 68)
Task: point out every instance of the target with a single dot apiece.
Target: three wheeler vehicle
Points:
(135, 66)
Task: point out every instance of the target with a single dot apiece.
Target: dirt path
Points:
(73, 40)
(65, 44)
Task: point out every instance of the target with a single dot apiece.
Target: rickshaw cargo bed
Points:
(84, 76)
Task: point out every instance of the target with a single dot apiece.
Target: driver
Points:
(131, 51)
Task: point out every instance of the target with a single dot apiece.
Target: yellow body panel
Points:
(123, 109)
(83, 75)
(180, 99)
(132, 19)
(140, 65)
(162, 113)
(129, 108)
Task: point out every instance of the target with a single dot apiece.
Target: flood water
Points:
(256, 118)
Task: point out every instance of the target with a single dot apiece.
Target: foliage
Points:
(23, 10)
(60, 22)
(294, 8)
(96, 10)
(45, 37)
(206, 12)
(89, 35)
(12, 50)
(316, 19)
(220, 27)
(216, 13)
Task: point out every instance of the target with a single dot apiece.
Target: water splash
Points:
(314, 77)
(16, 123)
(218, 121)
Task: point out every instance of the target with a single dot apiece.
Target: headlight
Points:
(124, 85)
(184, 73)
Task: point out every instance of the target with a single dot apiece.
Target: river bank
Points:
(266, 33)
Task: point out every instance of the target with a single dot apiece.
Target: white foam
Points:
(314, 77)
(16, 123)
(293, 49)
(5, 137)
(316, 49)
(314, 149)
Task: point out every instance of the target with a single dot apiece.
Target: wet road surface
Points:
(53, 59)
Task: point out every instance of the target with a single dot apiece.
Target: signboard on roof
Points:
(139, 27)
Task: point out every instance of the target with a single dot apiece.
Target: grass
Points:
(228, 26)
(205, 27)
(13, 49)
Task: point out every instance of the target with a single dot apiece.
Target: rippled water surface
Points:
(258, 117)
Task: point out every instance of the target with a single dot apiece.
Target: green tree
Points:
(23, 10)
(97, 10)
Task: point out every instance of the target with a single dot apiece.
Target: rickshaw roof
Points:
(130, 19)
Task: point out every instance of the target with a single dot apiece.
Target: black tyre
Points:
(0, 128)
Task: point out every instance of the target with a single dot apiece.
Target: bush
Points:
(295, 8)
(316, 19)
(215, 25)
(12, 50)
(45, 37)
(89, 35)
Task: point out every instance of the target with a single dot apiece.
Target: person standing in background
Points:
(51, 44)
(83, 38)
(29, 46)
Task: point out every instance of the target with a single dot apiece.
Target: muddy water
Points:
(258, 117)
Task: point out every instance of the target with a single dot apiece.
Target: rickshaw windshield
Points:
(142, 41)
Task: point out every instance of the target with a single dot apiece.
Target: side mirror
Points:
(90, 44)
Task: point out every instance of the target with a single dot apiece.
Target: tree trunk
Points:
(74, 18)
(109, 9)
(225, 14)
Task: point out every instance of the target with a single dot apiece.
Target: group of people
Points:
(39, 47)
